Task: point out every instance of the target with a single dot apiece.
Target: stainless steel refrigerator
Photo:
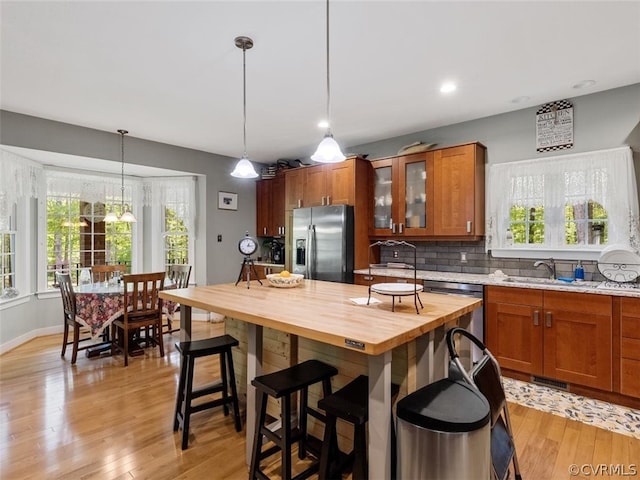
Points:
(323, 243)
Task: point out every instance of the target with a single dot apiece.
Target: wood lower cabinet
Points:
(264, 270)
(559, 335)
(630, 346)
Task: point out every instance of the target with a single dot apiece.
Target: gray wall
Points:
(217, 261)
(602, 120)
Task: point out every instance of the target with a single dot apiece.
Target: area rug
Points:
(605, 415)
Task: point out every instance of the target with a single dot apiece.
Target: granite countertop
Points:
(597, 288)
(268, 264)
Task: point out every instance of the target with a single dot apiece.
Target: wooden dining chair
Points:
(142, 309)
(179, 275)
(102, 273)
(69, 311)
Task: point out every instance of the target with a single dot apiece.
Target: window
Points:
(77, 235)
(176, 196)
(575, 203)
(7, 258)
(19, 179)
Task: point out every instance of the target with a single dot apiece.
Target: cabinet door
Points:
(294, 188)
(630, 346)
(277, 206)
(263, 207)
(415, 177)
(315, 189)
(340, 182)
(514, 328)
(459, 191)
(383, 197)
(577, 338)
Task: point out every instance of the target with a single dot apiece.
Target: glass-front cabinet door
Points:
(416, 194)
(383, 197)
(402, 187)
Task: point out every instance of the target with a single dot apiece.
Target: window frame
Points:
(623, 212)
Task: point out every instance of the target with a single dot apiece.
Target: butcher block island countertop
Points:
(279, 327)
(323, 311)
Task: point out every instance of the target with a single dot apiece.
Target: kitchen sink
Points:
(549, 281)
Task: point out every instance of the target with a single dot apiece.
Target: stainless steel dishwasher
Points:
(476, 326)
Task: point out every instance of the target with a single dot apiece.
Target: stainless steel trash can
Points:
(444, 433)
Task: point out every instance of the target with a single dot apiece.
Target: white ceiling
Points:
(170, 72)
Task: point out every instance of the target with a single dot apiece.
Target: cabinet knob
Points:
(548, 317)
(468, 226)
(299, 203)
(328, 200)
(536, 318)
(393, 228)
(400, 227)
(264, 230)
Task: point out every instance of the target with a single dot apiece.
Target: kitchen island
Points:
(324, 312)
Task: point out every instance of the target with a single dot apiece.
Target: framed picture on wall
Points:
(227, 201)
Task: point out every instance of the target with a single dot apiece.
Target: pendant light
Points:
(244, 168)
(328, 151)
(126, 215)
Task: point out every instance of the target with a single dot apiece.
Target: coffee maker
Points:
(277, 252)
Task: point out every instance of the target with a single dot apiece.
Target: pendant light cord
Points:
(328, 76)
(244, 100)
(122, 134)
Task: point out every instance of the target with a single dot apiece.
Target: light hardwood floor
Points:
(100, 420)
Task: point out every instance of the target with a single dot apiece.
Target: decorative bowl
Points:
(293, 280)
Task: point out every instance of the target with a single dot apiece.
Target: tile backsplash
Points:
(446, 257)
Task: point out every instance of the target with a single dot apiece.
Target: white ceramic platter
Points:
(396, 288)
(619, 265)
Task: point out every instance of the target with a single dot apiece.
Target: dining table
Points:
(99, 304)
(333, 314)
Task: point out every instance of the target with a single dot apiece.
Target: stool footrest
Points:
(214, 387)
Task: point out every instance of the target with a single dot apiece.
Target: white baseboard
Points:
(43, 332)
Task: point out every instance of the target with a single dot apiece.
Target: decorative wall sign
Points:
(554, 126)
(227, 201)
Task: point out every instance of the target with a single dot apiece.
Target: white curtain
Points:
(179, 192)
(93, 188)
(604, 176)
(19, 178)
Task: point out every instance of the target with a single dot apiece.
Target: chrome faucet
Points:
(549, 265)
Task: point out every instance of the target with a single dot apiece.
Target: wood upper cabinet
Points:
(560, 335)
(270, 212)
(329, 184)
(630, 346)
(458, 193)
(294, 180)
(402, 191)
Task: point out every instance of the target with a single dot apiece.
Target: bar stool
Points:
(351, 404)
(282, 384)
(186, 393)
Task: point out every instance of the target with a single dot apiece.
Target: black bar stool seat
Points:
(226, 385)
(351, 404)
(281, 385)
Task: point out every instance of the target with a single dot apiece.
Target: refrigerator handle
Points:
(310, 260)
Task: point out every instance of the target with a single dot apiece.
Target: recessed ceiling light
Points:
(585, 84)
(521, 99)
(448, 87)
(323, 124)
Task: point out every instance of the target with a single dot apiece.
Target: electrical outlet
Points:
(219, 238)
(463, 257)
(395, 254)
